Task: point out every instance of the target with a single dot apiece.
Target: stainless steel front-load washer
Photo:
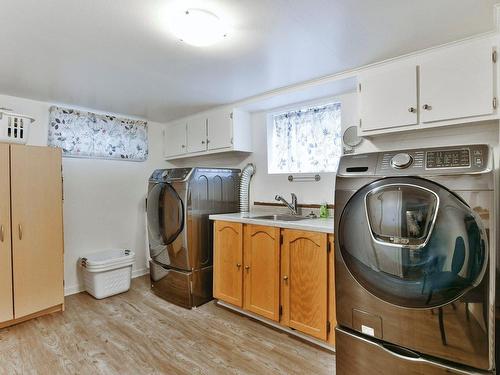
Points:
(180, 233)
(415, 268)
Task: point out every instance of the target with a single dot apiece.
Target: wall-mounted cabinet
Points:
(452, 84)
(457, 82)
(175, 143)
(388, 97)
(217, 131)
(196, 134)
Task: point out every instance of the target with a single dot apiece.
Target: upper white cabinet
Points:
(457, 82)
(220, 130)
(452, 84)
(175, 139)
(217, 131)
(197, 134)
(388, 97)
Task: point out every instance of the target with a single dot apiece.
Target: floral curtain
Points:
(306, 141)
(88, 135)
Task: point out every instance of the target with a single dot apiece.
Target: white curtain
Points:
(306, 141)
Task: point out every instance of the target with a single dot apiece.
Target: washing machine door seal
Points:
(412, 243)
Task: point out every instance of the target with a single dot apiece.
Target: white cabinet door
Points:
(220, 130)
(457, 82)
(197, 134)
(388, 97)
(175, 139)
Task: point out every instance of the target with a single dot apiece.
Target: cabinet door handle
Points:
(183, 146)
(247, 267)
(427, 107)
(412, 110)
(202, 142)
(19, 226)
(285, 278)
(238, 265)
(2, 233)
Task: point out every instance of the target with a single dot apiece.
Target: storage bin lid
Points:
(108, 257)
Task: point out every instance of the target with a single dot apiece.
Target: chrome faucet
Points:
(291, 206)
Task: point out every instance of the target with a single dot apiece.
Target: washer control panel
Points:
(454, 159)
(459, 158)
(401, 160)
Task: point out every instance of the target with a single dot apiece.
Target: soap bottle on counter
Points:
(323, 211)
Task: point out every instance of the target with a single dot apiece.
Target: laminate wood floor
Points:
(138, 333)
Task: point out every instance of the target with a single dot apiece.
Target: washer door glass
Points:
(165, 217)
(412, 243)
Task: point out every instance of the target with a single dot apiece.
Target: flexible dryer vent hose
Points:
(246, 176)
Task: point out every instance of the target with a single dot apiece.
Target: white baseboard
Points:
(74, 289)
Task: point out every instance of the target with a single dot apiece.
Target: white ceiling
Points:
(117, 55)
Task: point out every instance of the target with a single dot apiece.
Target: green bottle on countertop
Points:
(323, 211)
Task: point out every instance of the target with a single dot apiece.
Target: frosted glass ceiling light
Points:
(198, 27)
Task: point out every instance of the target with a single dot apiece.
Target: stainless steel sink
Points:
(280, 217)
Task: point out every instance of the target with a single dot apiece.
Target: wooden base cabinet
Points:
(304, 270)
(228, 261)
(283, 275)
(261, 253)
(31, 239)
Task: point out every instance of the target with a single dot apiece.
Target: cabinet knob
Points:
(208, 141)
(285, 278)
(2, 233)
(412, 110)
(183, 146)
(427, 107)
(238, 265)
(202, 142)
(247, 267)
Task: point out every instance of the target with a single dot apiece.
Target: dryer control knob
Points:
(401, 161)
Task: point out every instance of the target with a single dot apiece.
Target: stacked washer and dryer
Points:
(416, 266)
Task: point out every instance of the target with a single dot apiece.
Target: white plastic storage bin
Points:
(108, 272)
(14, 128)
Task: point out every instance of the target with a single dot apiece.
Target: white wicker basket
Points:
(108, 272)
(14, 128)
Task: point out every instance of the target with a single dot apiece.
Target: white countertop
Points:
(314, 225)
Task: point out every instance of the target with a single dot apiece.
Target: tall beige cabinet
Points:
(31, 233)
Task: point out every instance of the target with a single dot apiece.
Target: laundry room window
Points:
(305, 140)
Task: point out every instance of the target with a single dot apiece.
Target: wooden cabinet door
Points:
(388, 97)
(6, 302)
(37, 228)
(261, 262)
(332, 319)
(220, 130)
(197, 134)
(228, 261)
(175, 139)
(304, 282)
(457, 82)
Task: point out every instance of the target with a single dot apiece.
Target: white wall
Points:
(104, 200)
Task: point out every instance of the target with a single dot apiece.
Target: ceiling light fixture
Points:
(198, 27)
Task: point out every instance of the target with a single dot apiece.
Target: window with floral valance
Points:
(306, 140)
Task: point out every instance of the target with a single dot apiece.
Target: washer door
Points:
(412, 243)
(165, 212)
